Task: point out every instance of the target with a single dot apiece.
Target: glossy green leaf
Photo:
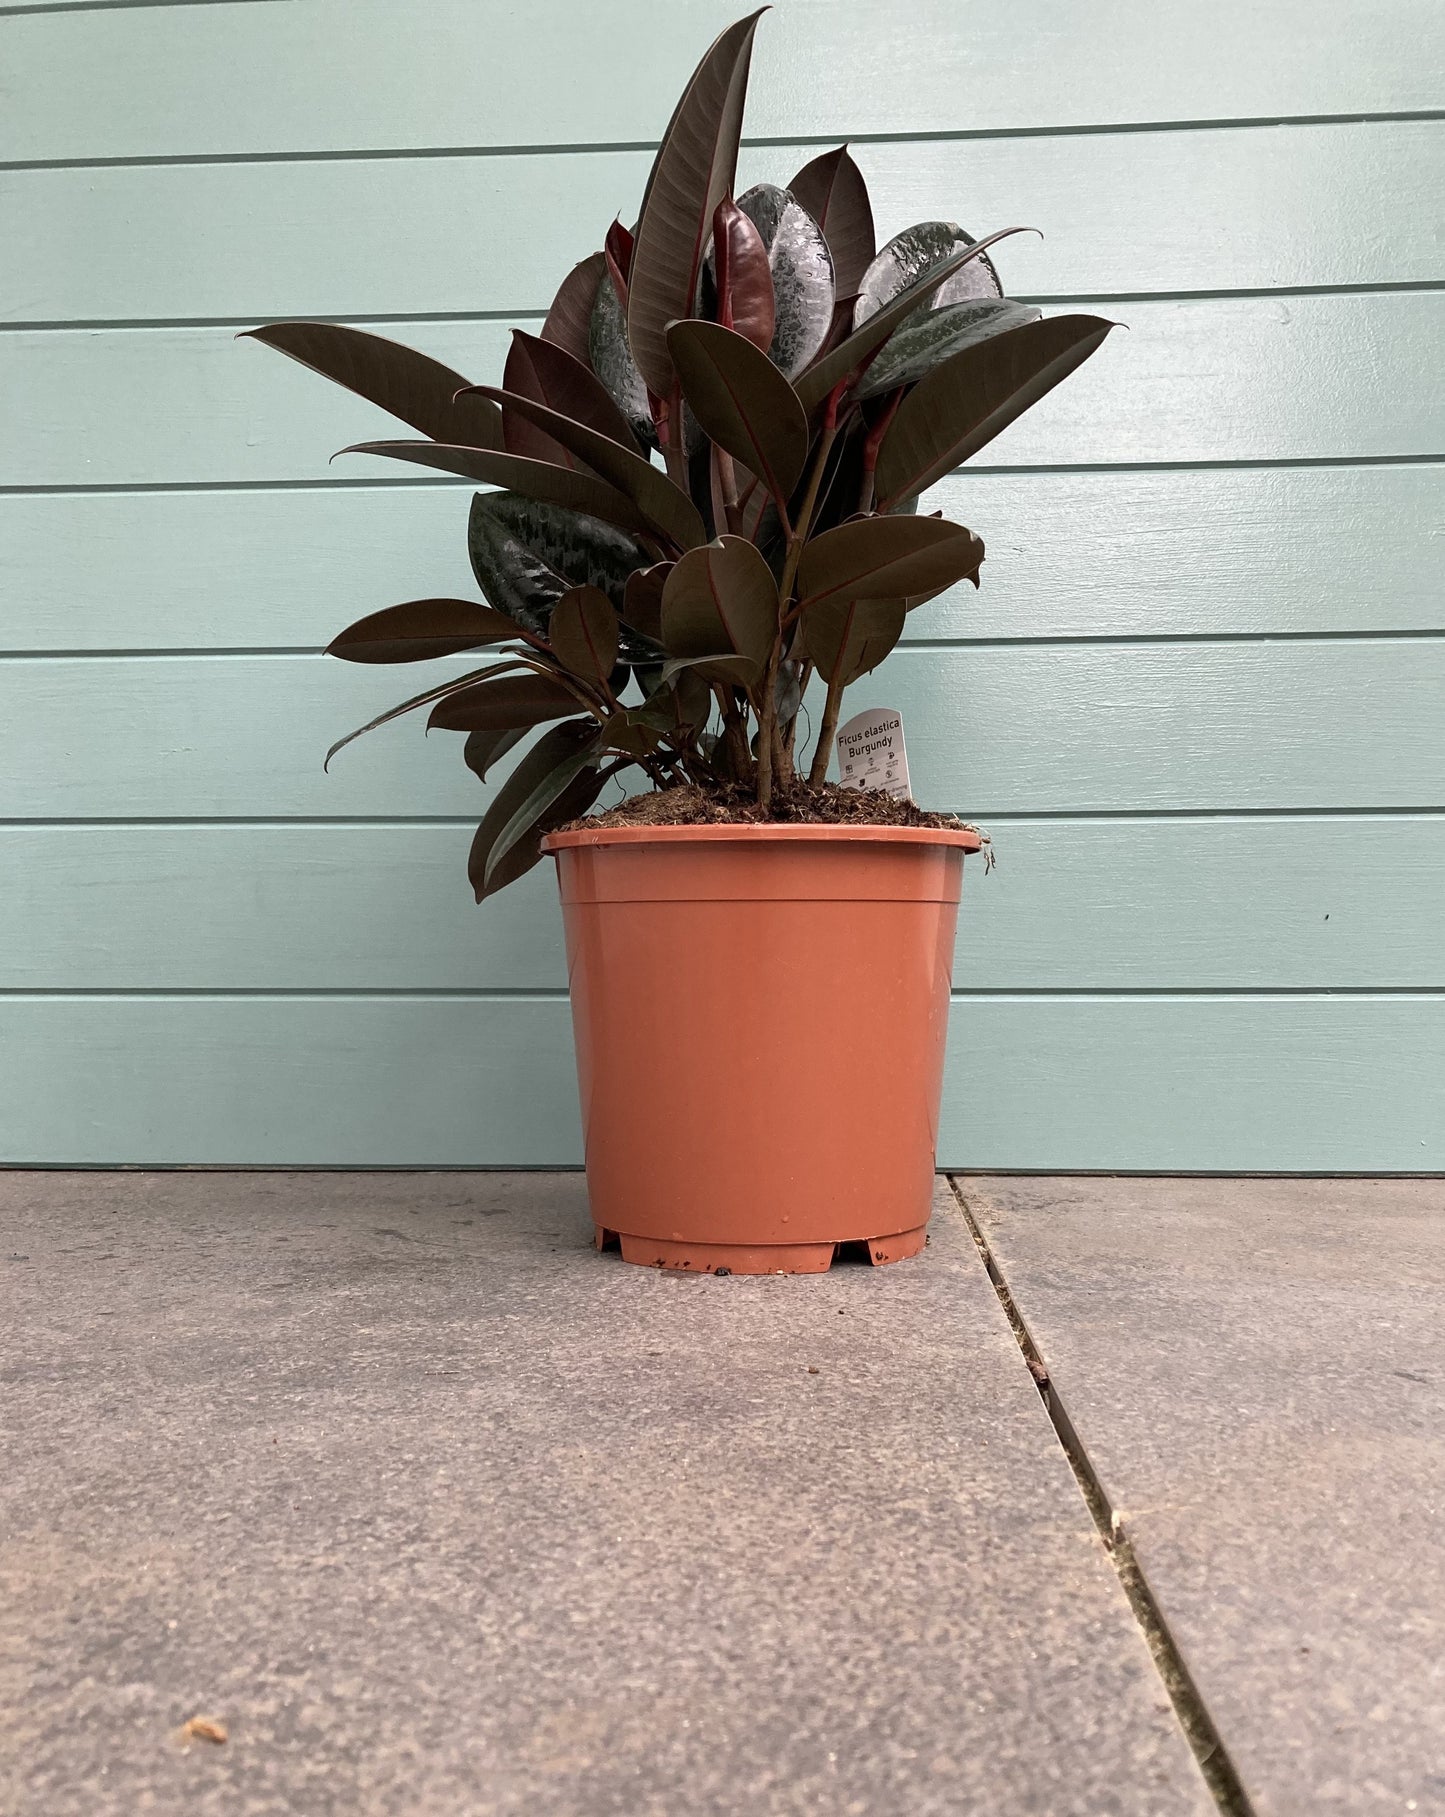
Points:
(419, 629)
(553, 747)
(569, 320)
(886, 558)
(407, 384)
(931, 336)
(665, 507)
(833, 192)
(742, 275)
(802, 271)
(507, 701)
(485, 748)
(742, 401)
(526, 555)
(583, 633)
(536, 479)
(915, 252)
(855, 349)
(720, 600)
(691, 174)
(453, 685)
(544, 775)
(965, 402)
(847, 637)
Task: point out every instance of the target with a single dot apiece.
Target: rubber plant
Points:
(706, 470)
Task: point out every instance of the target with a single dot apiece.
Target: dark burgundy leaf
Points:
(569, 320)
(412, 387)
(832, 190)
(420, 629)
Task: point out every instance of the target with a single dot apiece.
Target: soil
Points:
(824, 804)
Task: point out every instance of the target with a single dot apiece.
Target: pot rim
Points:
(753, 832)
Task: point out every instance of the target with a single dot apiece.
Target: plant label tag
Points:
(871, 753)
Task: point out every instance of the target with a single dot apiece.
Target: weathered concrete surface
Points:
(442, 1513)
(1255, 1368)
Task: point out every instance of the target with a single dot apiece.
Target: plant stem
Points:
(805, 675)
(871, 446)
(782, 758)
(797, 540)
(823, 750)
(727, 487)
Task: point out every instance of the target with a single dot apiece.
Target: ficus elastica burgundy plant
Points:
(702, 476)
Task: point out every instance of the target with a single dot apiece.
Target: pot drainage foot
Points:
(896, 1248)
(728, 1258)
(759, 1258)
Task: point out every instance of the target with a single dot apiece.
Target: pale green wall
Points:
(1200, 700)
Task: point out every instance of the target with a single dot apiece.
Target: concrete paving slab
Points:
(440, 1512)
(1255, 1370)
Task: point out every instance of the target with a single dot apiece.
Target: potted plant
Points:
(707, 467)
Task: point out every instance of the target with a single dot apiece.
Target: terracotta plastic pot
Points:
(760, 1015)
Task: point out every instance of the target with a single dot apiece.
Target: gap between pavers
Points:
(1253, 1369)
(440, 1512)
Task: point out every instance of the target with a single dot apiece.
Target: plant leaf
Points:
(454, 686)
(483, 749)
(526, 555)
(418, 390)
(617, 248)
(642, 600)
(742, 275)
(611, 359)
(569, 319)
(664, 506)
(911, 255)
(520, 436)
(833, 192)
(742, 401)
(720, 600)
(583, 633)
(551, 748)
(740, 670)
(677, 707)
(508, 701)
(965, 402)
(930, 336)
(560, 755)
(536, 479)
(847, 637)
(691, 174)
(420, 629)
(885, 558)
(802, 269)
(547, 374)
(854, 349)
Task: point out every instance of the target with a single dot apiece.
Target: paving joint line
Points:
(1200, 1731)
